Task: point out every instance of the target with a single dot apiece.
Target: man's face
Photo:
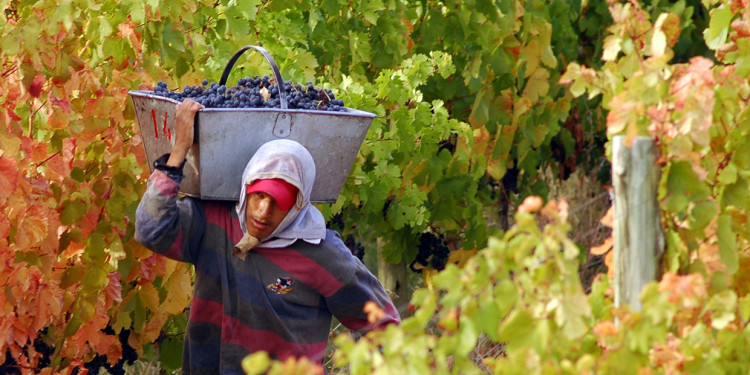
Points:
(262, 214)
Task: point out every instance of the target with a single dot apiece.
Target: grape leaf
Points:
(8, 177)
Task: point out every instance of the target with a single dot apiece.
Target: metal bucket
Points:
(226, 139)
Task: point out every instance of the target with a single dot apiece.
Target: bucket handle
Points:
(271, 61)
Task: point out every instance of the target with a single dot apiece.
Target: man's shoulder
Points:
(329, 253)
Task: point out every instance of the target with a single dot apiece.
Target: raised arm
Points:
(165, 224)
(185, 122)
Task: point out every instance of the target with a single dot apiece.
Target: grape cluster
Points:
(433, 252)
(355, 246)
(255, 92)
(45, 352)
(337, 221)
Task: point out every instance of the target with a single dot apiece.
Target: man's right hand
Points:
(184, 131)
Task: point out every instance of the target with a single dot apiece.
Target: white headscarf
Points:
(291, 162)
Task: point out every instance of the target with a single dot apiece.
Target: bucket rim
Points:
(348, 112)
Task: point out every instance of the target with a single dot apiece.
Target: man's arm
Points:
(359, 290)
(184, 131)
(165, 224)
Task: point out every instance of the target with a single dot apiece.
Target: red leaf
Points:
(113, 291)
(62, 103)
(4, 226)
(8, 177)
(36, 86)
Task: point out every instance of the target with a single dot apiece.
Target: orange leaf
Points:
(606, 328)
(39, 152)
(31, 229)
(609, 218)
(603, 248)
(73, 249)
(374, 312)
(49, 306)
(4, 226)
(59, 119)
(609, 261)
(688, 291)
(8, 177)
(531, 204)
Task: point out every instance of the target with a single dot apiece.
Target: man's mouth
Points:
(260, 224)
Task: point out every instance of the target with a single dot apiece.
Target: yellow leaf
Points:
(460, 257)
(149, 296)
(496, 168)
(658, 43)
(179, 287)
(612, 48)
(533, 54)
(537, 86)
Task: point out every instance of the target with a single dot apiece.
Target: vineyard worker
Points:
(269, 275)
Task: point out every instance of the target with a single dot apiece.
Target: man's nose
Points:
(265, 206)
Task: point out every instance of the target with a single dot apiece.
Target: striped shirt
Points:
(278, 300)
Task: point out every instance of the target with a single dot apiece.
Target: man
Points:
(269, 275)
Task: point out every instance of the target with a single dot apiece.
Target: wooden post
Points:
(638, 236)
(394, 278)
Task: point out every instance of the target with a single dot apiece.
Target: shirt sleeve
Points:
(361, 287)
(167, 224)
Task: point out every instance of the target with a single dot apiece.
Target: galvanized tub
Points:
(226, 139)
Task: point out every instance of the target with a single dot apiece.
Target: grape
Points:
(432, 252)
(355, 246)
(247, 94)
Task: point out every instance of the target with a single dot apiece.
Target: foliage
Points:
(71, 173)
(522, 293)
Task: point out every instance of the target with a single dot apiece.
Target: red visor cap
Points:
(284, 193)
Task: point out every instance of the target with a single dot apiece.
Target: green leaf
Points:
(718, 27)
(137, 11)
(371, 9)
(172, 38)
(744, 308)
(722, 307)
(237, 25)
(72, 212)
(682, 179)
(170, 354)
(701, 214)
(248, 8)
(727, 244)
(735, 195)
(94, 280)
(728, 175)
(487, 319)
